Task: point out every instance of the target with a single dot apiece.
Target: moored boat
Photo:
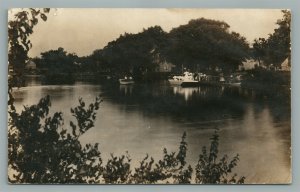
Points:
(126, 81)
(176, 80)
(191, 83)
(234, 84)
(186, 79)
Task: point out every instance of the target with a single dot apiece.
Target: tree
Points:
(94, 63)
(259, 47)
(58, 61)
(277, 47)
(134, 53)
(19, 29)
(205, 45)
(279, 43)
(202, 44)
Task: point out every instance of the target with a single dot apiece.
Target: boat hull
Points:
(238, 84)
(190, 83)
(175, 82)
(126, 81)
(199, 83)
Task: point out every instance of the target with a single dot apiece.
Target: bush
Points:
(263, 79)
(40, 150)
(209, 171)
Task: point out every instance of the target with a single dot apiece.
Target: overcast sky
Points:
(83, 30)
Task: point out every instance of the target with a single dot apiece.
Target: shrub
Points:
(210, 171)
(40, 150)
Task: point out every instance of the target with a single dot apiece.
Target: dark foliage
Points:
(57, 62)
(211, 171)
(135, 54)
(205, 45)
(202, 44)
(19, 30)
(277, 47)
(264, 79)
(41, 150)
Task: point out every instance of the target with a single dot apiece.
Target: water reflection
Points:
(186, 92)
(126, 89)
(181, 104)
(204, 91)
(31, 95)
(145, 118)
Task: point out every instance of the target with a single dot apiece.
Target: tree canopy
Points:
(135, 53)
(202, 44)
(57, 61)
(277, 47)
(19, 29)
(205, 44)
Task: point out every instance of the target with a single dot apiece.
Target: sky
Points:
(82, 31)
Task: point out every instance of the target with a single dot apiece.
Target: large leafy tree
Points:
(205, 44)
(20, 27)
(94, 63)
(202, 44)
(259, 49)
(279, 42)
(277, 47)
(135, 53)
(58, 61)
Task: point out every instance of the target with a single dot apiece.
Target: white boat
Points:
(235, 81)
(234, 84)
(179, 79)
(126, 81)
(176, 80)
(186, 79)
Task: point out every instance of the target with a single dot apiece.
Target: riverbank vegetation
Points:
(270, 54)
(201, 45)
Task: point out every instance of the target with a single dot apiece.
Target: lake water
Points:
(145, 118)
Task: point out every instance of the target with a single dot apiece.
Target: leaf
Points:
(34, 12)
(63, 132)
(34, 21)
(44, 17)
(46, 10)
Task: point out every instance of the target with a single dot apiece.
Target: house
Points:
(30, 65)
(164, 67)
(285, 65)
(248, 64)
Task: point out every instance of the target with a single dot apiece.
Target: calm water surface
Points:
(143, 119)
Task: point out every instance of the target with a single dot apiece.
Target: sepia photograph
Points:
(149, 96)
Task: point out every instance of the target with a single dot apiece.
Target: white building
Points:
(164, 67)
(248, 64)
(30, 65)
